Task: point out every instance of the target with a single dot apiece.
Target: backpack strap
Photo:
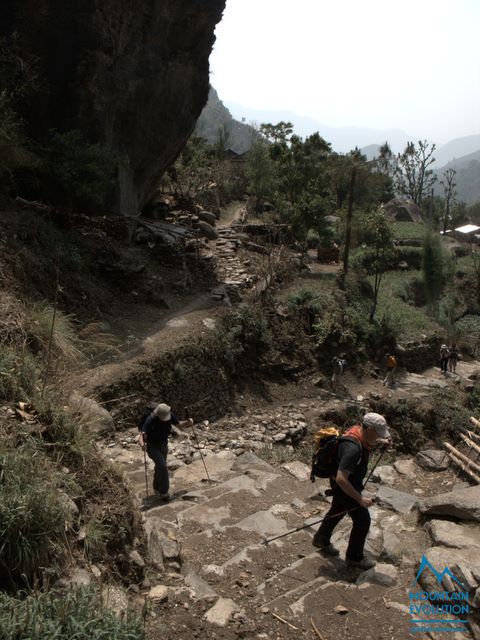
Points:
(352, 439)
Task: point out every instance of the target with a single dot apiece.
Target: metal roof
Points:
(467, 228)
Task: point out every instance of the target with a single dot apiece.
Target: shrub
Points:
(78, 614)
(245, 337)
(82, 173)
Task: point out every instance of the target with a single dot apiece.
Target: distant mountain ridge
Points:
(215, 115)
(342, 139)
(456, 149)
(461, 154)
(467, 178)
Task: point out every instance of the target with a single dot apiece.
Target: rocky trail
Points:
(214, 576)
(217, 578)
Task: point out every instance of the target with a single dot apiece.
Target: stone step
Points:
(363, 606)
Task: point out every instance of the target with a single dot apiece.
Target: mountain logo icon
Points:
(425, 564)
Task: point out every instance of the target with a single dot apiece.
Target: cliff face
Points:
(129, 73)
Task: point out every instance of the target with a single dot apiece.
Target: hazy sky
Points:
(408, 64)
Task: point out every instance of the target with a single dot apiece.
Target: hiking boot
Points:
(325, 546)
(364, 563)
(164, 497)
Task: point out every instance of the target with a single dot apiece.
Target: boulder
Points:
(383, 574)
(207, 231)
(406, 467)
(449, 534)
(403, 209)
(396, 500)
(464, 564)
(208, 217)
(115, 599)
(298, 470)
(432, 460)
(392, 548)
(463, 504)
(112, 66)
(385, 474)
(221, 612)
(200, 587)
(159, 593)
(93, 415)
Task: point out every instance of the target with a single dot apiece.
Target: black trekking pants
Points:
(444, 364)
(158, 453)
(360, 519)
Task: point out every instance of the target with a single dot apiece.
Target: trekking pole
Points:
(306, 526)
(146, 475)
(384, 448)
(198, 444)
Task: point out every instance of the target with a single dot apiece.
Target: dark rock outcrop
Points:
(402, 209)
(129, 73)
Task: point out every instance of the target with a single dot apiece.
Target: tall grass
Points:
(32, 513)
(77, 615)
(38, 324)
(395, 307)
(408, 230)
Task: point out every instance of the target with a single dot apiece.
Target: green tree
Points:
(222, 142)
(260, 172)
(412, 174)
(302, 193)
(434, 271)
(80, 174)
(355, 158)
(280, 132)
(448, 183)
(378, 235)
(18, 81)
(192, 170)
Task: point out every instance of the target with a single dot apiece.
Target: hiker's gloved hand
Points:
(385, 442)
(366, 502)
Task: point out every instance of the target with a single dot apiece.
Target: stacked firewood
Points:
(466, 455)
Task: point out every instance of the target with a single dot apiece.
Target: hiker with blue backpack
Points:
(155, 429)
(346, 460)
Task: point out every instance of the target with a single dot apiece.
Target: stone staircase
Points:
(213, 567)
(231, 269)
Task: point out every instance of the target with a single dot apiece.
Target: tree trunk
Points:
(348, 231)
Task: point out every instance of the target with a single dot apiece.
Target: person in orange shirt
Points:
(391, 365)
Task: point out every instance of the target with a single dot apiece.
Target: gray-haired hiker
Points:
(154, 438)
(352, 456)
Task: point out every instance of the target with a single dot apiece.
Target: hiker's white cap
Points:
(377, 422)
(162, 411)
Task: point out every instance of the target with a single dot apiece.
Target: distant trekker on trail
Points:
(338, 369)
(154, 439)
(391, 365)
(444, 356)
(352, 455)
(453, 359)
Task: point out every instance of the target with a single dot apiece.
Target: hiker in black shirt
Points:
(154, 437)
(352, 455)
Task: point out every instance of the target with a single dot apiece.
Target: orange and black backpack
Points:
(324, 460)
